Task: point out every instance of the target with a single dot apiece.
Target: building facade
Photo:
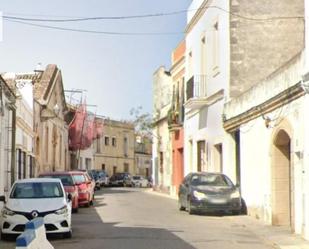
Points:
(162, 149)
(25, 157)
(7, 135)
(51, 130)
(114, 150)
(227, 55)
(275, 110)
(143, 156)
(176, 116)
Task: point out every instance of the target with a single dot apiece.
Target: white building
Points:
(161, 149)
(229, 50)
(7, 136)
(207, 74)
(270, 125)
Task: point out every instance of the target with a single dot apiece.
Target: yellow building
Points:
(114, 150)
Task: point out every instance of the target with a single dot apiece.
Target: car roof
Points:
(77, 172)
(38, 180)
(56, 173)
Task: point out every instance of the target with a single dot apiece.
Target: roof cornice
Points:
(197, 16)
(290, 94)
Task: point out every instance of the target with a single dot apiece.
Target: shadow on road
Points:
(89, 231)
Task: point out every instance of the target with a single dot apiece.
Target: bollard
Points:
(34, 236)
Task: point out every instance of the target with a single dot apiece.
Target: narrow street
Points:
(134, 219)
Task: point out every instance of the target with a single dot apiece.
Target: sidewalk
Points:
(277, 236)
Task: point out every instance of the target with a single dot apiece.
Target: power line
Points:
(94, 18)
(80, 19)
(96, 31)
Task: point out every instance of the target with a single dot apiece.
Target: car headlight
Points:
(199, 195)
(5, 211)
(235, 194)
(63, 210)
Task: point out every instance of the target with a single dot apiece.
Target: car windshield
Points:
(79, 178)
(102, 174)
(65, 179)
(31, 190)
(210, 180)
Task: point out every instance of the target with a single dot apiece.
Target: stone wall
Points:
(260, 47)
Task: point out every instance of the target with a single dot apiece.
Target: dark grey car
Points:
(209, 192)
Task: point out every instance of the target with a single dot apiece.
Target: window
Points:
(60, 150)
(19, 163)
(46, 143)
(125, 146)
(126, 167)
(114, 169)
(215, 48)
(114, 143)
(203, 56)
(106, 140)
(31, 167)
(161, 162)
(24, 156)
(99, 145)
(103, 166)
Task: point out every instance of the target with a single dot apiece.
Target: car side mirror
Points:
(69, 197)
(237, 185)
(2, 198)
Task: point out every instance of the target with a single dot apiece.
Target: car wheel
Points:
(67, 235)
(190, 209)
(180, 206)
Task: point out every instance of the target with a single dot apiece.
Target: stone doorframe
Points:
(282, 176)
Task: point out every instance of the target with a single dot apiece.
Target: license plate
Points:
(218, 201)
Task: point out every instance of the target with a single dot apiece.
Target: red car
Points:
(69, 184)
(85, 187)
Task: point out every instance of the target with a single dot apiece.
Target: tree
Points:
(142, 121)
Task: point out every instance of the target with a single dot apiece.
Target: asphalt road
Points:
(127, 218)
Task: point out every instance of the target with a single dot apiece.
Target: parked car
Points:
(118, 179)
(209, 192)
(69, 185)
(104, 178)
(95, 177)
(85, 188)
(139, 181)
(36, 197)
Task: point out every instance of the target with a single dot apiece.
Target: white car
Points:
(139, 181)
(37, 197)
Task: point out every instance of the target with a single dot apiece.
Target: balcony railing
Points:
(197, 87)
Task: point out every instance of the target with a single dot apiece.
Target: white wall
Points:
(256, 141)
(218, 79)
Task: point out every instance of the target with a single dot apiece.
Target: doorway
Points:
(282, 181)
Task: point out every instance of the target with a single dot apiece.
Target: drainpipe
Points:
(13, 144)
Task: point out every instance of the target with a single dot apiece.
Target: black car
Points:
(209, 192)
(119, 179)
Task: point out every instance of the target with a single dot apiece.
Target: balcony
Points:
(174, 120)
(197, 96)
(196, 92)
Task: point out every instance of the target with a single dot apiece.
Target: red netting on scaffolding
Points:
(83, 129)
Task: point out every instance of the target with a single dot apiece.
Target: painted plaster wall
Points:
(206, 124)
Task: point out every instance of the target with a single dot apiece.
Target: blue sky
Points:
(116, 71)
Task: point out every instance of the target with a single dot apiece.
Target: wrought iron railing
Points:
(196, 87)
